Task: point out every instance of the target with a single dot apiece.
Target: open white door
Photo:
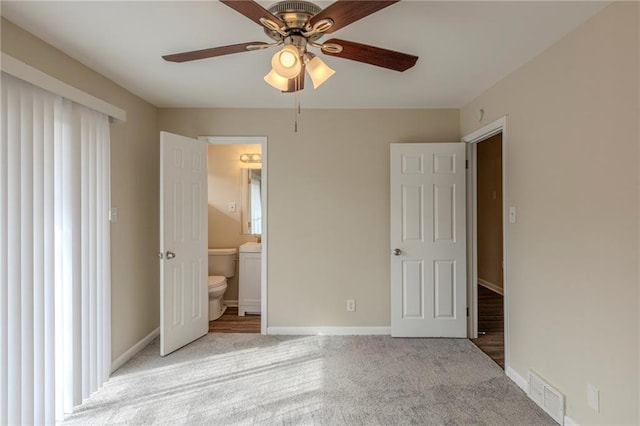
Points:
(183, 241)
(428, 240)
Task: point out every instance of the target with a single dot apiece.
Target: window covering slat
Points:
(49, 263)
(26, 255)
(4, 378)
(59, 355)
(93, 283)
(14, 328)
(39, 122)
(105, 256)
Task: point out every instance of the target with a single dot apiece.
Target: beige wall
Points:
(134, 187)
(225, 185)
(573, 254)
(328, 202)
(489, 214)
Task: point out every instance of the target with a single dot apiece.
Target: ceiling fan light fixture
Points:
(317, 70)
(277, 81)
(286, 62)
(297, 25)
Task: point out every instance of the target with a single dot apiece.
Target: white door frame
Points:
(257, 140)
(472, 139)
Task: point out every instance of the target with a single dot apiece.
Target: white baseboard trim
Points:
(122, 359)
(330, 331)
(517, 379)
(231, 303)
(491, 286)
(568, 421)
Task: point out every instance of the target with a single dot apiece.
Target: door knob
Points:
(170, 255)
(397, 252)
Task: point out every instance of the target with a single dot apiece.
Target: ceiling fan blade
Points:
(213, 51)
(253, 11)
(377, 56)
(345, 12)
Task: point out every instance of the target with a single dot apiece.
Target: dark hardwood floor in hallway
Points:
(491, 322)
(230, 322)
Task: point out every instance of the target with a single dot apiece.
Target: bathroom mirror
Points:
(252, 201)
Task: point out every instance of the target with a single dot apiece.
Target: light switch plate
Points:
(512, 215)
(232, 206)
(113, 214)
(593, 397)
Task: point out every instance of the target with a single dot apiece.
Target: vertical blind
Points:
(54, 254)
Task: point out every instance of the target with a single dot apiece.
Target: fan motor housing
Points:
(295, 15)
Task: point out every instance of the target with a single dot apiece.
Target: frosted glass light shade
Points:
(318, 71)
(276, 81)
(286, 62)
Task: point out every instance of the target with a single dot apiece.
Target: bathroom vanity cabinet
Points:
(249, 280)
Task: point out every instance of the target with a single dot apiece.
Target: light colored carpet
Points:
(230, 379)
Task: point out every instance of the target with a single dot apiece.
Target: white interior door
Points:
(428, 240)
(183, 241)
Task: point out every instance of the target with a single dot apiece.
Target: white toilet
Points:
(222, 265)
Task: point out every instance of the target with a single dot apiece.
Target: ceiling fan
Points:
(298, 25)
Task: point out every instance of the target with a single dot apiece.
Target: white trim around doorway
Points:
(472, 139)
(257, 140)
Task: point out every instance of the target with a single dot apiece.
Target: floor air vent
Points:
(547, 397)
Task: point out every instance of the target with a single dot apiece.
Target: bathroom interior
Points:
(234, 185)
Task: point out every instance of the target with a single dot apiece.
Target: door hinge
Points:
(466, 164)
(467, 311)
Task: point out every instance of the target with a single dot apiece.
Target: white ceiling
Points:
(464, 48)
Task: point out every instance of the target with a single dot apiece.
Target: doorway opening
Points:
(488, 307)
(236, 216)
(489, 284)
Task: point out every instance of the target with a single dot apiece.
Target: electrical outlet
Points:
(351, 305)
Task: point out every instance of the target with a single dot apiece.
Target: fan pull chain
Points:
(295, 115)
(296, 108)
